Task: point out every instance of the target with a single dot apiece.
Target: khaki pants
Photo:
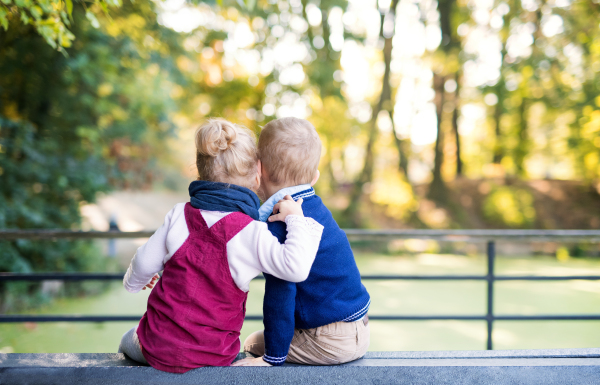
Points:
(331, 344)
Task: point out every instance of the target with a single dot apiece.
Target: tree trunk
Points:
(366, 175)
(403, 146)
(322, 76)
(449, 44)
(437, 189)
(332, 179)
(498, 111)
(522, 145)
(459, 164)
(500, 89)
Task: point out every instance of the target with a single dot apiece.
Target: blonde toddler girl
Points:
(209, 249)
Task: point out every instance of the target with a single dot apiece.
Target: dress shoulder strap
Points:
(230, 225)
(194, 219)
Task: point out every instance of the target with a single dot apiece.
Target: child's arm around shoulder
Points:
(292, 260)
(150, 257)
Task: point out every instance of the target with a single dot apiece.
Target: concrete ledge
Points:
(555, 366)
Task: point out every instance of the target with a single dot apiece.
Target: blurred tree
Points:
(113, 99)
(72, 125)
(508, 12)
(577, 77)
(50, 18)
(321, 76)
(53, 18)
(384, 103)
(446, 76)
(321, 71)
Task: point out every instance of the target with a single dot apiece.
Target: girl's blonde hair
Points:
(226, 152)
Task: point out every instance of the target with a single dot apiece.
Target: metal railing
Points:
(489, 236)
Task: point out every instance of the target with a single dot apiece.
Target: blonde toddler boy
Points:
(323, 320)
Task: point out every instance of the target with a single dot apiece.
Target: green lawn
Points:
(388, 297)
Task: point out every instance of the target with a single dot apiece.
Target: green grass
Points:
(388, 297)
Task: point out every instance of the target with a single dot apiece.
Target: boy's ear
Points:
(258, 174)
(259, 166)
(315, 179)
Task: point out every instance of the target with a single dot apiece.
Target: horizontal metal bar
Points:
(15, 318)
(546, 278)
(353, 234)
(574, 317)
(424, 277)
(427, 318)
(70, 234)
(481, 277)
(119, 276)
(60, 276)
(477, 235)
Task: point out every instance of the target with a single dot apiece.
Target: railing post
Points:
(491, 256)
(112, 246)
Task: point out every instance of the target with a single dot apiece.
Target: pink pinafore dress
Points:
(195, 312)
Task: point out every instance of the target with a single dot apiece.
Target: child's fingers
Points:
(276, 207)
(287, 198)
(277, 217)
(299, 201)
(150, 285)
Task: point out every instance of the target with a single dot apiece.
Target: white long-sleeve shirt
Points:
(250, 252)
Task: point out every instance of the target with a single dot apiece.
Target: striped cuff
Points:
(275, 361)
(359, 314)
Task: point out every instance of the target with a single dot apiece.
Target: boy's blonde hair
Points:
(290, 150)
(226, 152)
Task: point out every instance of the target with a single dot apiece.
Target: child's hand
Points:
(258, 361)
(152, 282)
(286, 207)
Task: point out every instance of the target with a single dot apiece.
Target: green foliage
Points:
(50, 18)
(53, 19)
(73, 125)
(509, 207)
(40, 190)
(101, 116)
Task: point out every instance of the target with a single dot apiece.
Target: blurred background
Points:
(433, 114)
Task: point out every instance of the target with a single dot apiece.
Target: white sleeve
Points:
(292, 260)
(149, 258)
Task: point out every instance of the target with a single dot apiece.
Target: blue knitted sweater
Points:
(332, 292)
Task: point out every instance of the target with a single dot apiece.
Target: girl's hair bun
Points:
(215, 136)
(226, 152)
